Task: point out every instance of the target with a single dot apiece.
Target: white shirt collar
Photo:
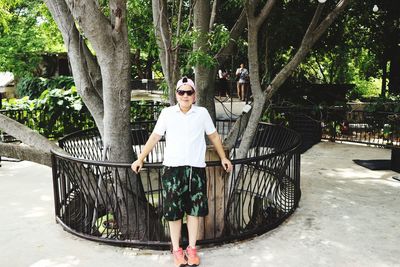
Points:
(192, 109)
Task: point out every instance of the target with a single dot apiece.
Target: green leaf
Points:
(78, 105)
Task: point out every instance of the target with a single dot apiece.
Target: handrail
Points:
(259, 194)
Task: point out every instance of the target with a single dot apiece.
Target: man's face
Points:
(242, 66)
(182, 95)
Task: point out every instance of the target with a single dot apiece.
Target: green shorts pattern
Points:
(184, 191)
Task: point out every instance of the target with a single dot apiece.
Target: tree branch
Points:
(85, 69)
(24, 152)
(90, 19)
(313, 23)
(35, 147)
(321, 69)
(213, 14)
(26, 135)
(235, 32)
(305, 46)
(117, 14)
(264, 13)
(178, 26)
(93, 71)
(329, 19)
(163, 39)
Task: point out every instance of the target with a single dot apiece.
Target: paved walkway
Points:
(348, 216)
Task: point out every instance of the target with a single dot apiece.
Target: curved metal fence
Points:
(107, 202)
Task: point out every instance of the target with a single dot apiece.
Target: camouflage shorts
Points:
(184, 192)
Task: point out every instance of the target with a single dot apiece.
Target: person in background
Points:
(223, 77)
(242, 77)
(184, 184)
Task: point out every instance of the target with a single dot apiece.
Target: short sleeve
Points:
(208, 123)
(161, 125)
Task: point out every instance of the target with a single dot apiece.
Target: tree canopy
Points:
(27, 31)
(194, 38)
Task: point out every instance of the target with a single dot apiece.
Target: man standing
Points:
(184, 180)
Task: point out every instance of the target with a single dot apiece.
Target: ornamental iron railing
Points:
(340, 124)
(107, 202)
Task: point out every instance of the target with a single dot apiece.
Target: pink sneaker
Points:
(192, 258)
(179, 258)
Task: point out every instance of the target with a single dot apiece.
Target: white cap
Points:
(185, 80)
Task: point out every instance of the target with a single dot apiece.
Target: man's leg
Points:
(175, 231)
(177, 252)
(191, 251)
(245, 92)
(238, 90)
(193, 228)
(197, 207)
(242, 91)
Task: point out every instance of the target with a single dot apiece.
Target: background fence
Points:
(340, 124)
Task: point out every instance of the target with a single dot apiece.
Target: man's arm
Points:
(216, 141)
(151, 142)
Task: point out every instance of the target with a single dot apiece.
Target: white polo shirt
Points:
(184, 135)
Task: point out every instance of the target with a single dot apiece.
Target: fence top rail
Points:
(289, 148)
(347, 108)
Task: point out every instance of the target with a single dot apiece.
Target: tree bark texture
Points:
(24, 152)
(204, 75)
(27, 136)
(313, 33)
(112, 51)
(84, 66)
(167, 54)
(104, 84)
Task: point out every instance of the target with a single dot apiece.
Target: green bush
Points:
(383, 104)
(33, 87)
(363, 89)
(54, 114)
(146, 110)
(30, 86)
(58, 112)
(18, 103)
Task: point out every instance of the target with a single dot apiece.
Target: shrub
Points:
(363, 89)
(55, 113)
(30, 86)
(33, 87)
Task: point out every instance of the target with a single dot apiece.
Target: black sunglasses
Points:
(182, 92)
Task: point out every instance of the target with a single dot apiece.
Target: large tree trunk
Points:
(109, 39)
(204, 75)
(394, 70)
(384, 76)
(84, 66)
(254, 24)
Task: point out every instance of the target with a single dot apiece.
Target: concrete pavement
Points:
(348, 216)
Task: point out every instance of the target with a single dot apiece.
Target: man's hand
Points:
(137, 165)
(226, 164)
